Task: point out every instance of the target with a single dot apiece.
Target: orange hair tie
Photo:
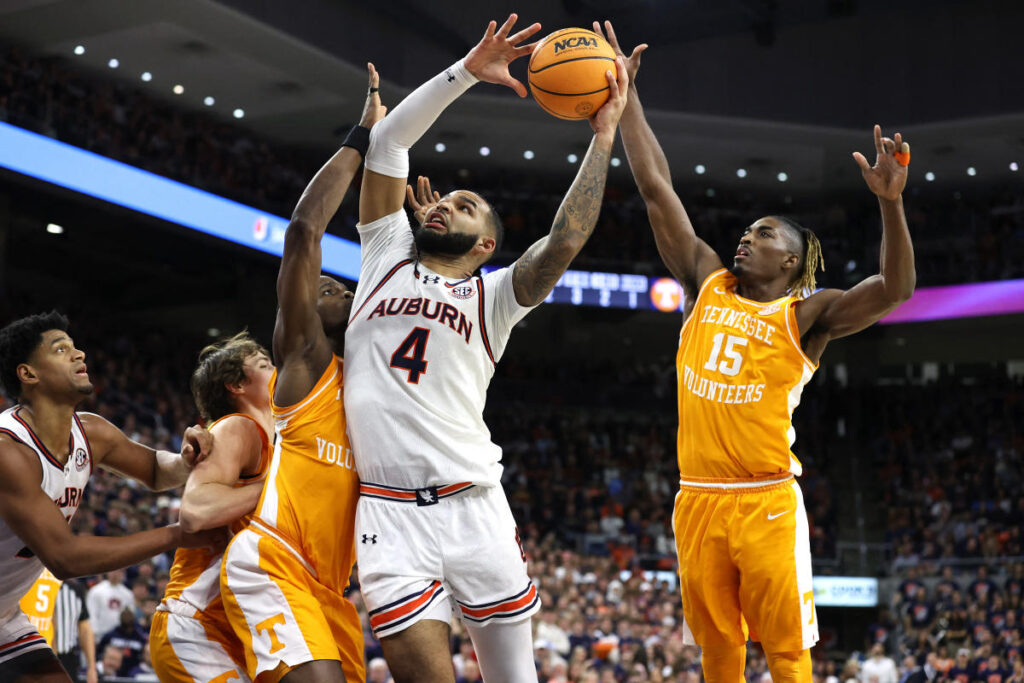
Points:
(902, 158)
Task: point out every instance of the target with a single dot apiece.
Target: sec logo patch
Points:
(463, 291)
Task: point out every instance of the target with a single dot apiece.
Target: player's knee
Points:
(723, 663)
(790, 666)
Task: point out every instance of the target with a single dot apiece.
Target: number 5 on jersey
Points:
(409, 354)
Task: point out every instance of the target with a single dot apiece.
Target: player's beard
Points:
(447, 243)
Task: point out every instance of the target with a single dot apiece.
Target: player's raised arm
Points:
(387, 162)
(298, 331)
(687, 257)
(33, 517)
(538, 270)
(211, 498)
(843, 313)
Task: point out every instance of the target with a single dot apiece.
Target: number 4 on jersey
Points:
(409, 354)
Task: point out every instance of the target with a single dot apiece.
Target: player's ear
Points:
(486, 243)
(26, 375)
(792, 260)
(234, 389)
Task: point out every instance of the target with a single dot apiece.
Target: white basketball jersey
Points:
(64, 484)
(420, 350)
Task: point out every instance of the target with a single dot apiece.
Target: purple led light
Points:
(960, 301)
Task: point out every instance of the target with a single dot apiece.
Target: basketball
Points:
(567, 73)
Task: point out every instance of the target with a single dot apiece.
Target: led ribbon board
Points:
(97, 176)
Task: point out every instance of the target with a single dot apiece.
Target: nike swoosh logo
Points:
(777, 514)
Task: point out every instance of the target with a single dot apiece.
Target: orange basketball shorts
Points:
(745, 563)
(282, 614)
(195, 649)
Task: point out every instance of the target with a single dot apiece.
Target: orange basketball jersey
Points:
(38, 604)
(309, 501)
(741, 371)
(195, 574)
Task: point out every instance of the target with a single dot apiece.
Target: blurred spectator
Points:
(878, 668)
(110, 664)
(106, 600)
(130, 638)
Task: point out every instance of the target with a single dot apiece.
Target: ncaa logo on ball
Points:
(81, 459)
(463, 292)
(584, 108)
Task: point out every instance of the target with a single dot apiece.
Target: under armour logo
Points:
(431, 279)
(449, 75)
(367, 538)
(427, 496)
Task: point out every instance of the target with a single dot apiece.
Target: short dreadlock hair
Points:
(811, 258)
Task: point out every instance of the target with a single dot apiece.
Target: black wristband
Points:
(358, 139)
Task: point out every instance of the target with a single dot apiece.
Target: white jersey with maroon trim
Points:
(420, 351)
(64, 484)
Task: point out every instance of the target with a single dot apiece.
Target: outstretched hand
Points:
(607, 117)
(633, 60)
(373, 110)
(422, 200)
(489, 60)
(887, 177)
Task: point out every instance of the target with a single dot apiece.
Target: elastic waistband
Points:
(751, 485)
(428, 495)
(179, 607)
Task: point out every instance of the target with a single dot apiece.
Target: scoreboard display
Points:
(616, 290)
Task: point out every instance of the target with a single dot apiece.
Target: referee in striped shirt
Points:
(72, 632)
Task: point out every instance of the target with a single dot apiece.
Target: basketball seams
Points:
(566, 61)
(567, 94)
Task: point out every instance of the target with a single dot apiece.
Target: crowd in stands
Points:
(958, 237)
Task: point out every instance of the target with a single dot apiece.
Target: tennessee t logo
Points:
(268, 626)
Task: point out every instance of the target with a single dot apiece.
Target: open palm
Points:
(489, 60)
(887, 177)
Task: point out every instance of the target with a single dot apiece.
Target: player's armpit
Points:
(836, 313)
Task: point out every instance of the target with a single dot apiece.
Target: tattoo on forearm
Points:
(539, 269)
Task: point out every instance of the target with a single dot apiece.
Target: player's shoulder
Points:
(811, 307)
(236, 425)
(96, 426)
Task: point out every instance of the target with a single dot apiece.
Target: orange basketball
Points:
(567, 73)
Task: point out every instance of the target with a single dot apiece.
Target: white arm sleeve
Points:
(391, 138)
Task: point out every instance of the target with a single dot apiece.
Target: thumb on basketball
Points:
(515, 85)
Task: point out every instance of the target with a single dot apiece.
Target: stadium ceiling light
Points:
(1013, 166)
(440, 147)
(528, 154)
(213, 332)
(699, 169)
(572, 158)
(971, 171)
(238, 113)
(485, 151)
(178, 89)
(929, 176)
(710, 192)
(783, 176)
(146, 76)
(113, 63)
(741, 173)
(616, 162)
(79, 49)
(208, 101)
(54, 229)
